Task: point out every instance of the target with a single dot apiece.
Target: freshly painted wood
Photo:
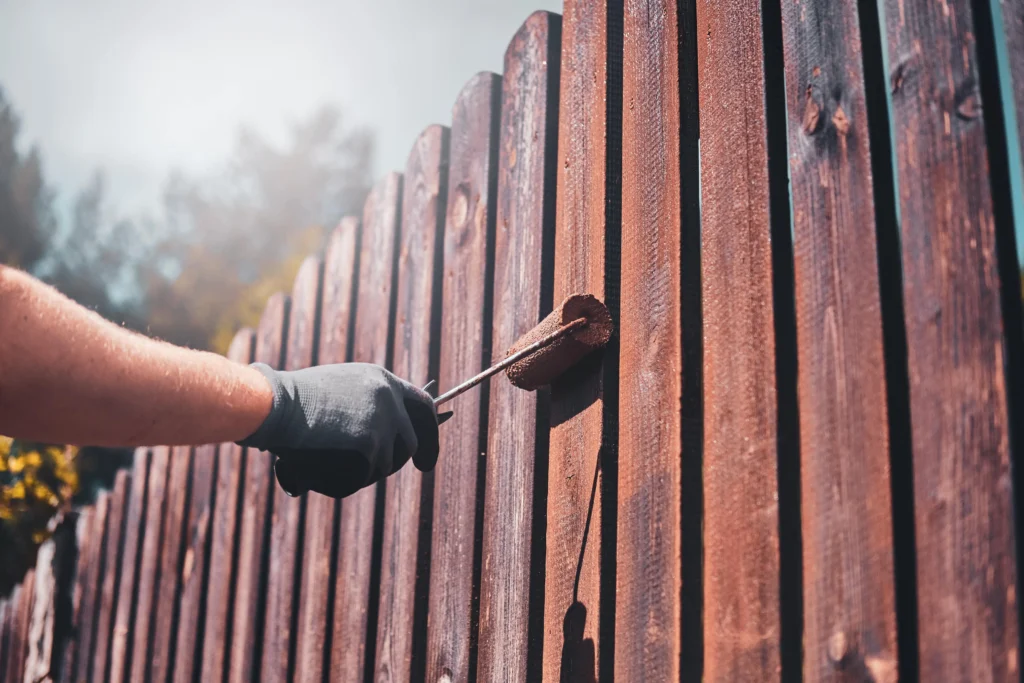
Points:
(406, 533)
(511, 582)
(465, 331)
(220, 587)
(587, 217)
(168, 598)
(89, 606)
(846, 503)
(315, 603)
(356, 588)
(109, 582)
(648, 610)
(194, 563)
(257, 498)
(127, 593)
(286, 520)
(741, 527)
(963, 502)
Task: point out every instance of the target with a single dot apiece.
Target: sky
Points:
(139, 88)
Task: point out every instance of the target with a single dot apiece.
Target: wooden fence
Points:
(793, 461)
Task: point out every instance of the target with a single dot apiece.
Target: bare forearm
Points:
(68, 376)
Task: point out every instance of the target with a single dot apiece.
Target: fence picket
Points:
(254, 526)
(512, 576)
(89, 606)
(465, 348)
(224, 545)
(357, 576)
(401, 625)
(109, 582)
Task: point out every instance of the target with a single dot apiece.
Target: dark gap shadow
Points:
(784, 304)
(691, 651)
(890, 275)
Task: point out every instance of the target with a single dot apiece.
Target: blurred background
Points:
(170, 163)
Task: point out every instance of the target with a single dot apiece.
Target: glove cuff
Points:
(259, 438)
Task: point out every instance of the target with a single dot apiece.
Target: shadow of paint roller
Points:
(580, 325)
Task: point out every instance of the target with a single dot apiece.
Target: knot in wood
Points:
(838, 648)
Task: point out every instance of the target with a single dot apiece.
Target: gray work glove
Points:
(338, 428)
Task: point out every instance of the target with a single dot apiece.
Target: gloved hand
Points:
(338, 428)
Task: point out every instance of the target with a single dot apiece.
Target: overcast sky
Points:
(140, 87)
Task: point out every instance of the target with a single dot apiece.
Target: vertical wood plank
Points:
(511, 582)
(648, 610)
(316, 597)
(86, 620)
(224, 544)
(583, 404)
(85, 541)
(741, 522)
(955, 338)
(5, 631)
(356, 594)
(254, 528)
(196, 542)
(286, 521)
(465, 349)
(127, 588)
(406, 533)
(168, 602)
(54, 588)
(1013, 27)
(9, 626)
(846, 508)
(19, 632)
(139, 656)
(107, 604)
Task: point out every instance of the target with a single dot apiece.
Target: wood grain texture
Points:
(194, 563)
(20, 627)
(86, 621)
(85, 541)
(523, 260)
(254, 527)
(1013, 27)
(648, 613)
(741, 527)
(48, 634)
(224, 544)
(316, 596)
(168, 595)
(846, 506)
(967, 609)
(355, 587)
(287, 518)
(577, 512)
(465, 331)
(134, 532)
(138, 660)
(406, 533)
(5, 629)
(109, 582)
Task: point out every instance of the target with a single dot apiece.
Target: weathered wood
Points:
(406, 534)
(315, 603)
(127, 589)
(512, 577)
(580, 555)
(5, 630)
(140, 656)
(85, 540)
(1013, 26)
(224, 546)
(286, 523)
(196, 543)
(356, 596)
(648, 611)
(846, 507)
(465, 350)
(955, 337)
(254, 527)
(741, 527)
(109, 582)
(89, 606)
(49, 626)
(20, 628)
(168, 601)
